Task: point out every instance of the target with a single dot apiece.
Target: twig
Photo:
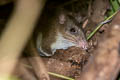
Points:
(60, 76)
(16, 34)
(101, 24)
(105, 65)
(53, 74)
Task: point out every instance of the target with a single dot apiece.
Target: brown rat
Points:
(60, 32)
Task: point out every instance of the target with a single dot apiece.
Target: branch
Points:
(105, 65)
(17, 33)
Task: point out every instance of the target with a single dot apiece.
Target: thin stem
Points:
(101, 24)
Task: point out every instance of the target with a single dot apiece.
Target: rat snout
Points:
(83, 45)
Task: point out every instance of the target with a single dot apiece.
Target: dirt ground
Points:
(74, 62)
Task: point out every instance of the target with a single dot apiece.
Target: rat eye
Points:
(73, 30)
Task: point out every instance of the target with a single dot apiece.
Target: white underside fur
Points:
(61, 43)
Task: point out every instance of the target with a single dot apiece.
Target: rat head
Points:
(69, 34)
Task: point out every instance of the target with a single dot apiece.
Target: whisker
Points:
(71, 38)
(72, 41)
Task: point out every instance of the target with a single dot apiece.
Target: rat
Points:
(61, 31)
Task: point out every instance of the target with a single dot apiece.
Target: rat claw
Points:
(83, 45)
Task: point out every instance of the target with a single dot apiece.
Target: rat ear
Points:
(62, 18)
(78, 17)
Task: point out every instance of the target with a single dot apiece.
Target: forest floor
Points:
(73, 62)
